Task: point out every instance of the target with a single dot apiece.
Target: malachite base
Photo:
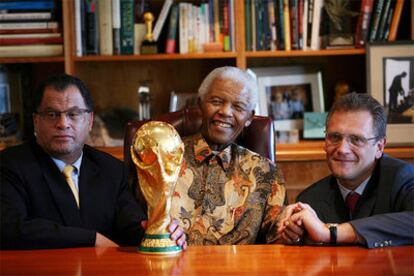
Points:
(159, 244)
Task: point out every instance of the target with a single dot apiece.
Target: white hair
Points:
(234, 74)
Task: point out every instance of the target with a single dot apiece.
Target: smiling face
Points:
(226, 111)
(350, 164)
(64, 137)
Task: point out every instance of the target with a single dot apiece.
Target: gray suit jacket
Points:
(384, 214)
(38, 209)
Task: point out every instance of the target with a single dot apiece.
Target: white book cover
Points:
(316, 24)
(197, 30)
(305, 25)
(105, 27)
(26, 16)
(28, 25)
(161, 19)
(182, 24)
(190, 28)
(78, 28)
(206, 23)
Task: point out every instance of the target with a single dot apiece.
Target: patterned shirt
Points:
(228, 197)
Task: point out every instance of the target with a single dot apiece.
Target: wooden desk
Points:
(248, 259)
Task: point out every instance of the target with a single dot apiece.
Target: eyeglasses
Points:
(335, 138)
(74, 115)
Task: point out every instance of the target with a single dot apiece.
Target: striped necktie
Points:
(67, 172)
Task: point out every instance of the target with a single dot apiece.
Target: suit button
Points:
(386, 243)
(382, 245)
(376, 244)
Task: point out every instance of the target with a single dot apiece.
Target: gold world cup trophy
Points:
(157, 152)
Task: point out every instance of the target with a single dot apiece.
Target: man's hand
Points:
(102, 241)
(290, 233)
(177, 233)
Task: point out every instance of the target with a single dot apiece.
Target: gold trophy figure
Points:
(157, 152)
(149, 46)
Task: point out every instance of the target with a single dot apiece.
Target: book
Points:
(29, 31)
(31, 40)
(183, 25)
(362, 29)
(116, 26)
(272, 24)
(161, 19)
(316, 24)
(280, 25)
(376, 17)
(91, 27)
(388, 24)
(31, 50)
(396, 20)
(23, 16)
(29, 25)
(286, 24)
(247, 25)
(35, 35)
(253, 20)
(127, 27)
(78, 28)
(383, 21)
(294, 23)
(305, 31)
(105, 27)
(171, 41)
(27, 5)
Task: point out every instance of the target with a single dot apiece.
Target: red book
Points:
(31, 40)
(362, 29)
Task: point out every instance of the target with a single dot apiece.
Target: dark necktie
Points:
(351, 201)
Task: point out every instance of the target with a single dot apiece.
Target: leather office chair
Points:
(258, 136)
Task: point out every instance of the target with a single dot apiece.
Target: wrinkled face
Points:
(226, 111)
(158, 150)
(349, 163)
(62, 136)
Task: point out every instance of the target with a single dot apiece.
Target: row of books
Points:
(319, 24)
(117, 27)
(29, 28)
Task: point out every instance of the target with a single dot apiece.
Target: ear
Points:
(249, 121)
(91, 117)
(380, 147)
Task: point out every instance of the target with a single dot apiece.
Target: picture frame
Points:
(5, 105)
(302, 91)
(180, 101)
(390, 80)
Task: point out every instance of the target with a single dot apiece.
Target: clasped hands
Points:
(299, 223)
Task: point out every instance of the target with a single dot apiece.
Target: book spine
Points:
(105, 27)
(383, 21)
(316, 24)
(29, 25)
(300, 24)
(31, 50)
(127, 27)
(376, 20)
(310, 19)
(396, 20)
(29, 31)
(35, 35)
(161, 19)
(305, 24)
(272, 24)
(280, 25)
(25, 16)
(34, 40)
(232, 26)
(78, 28)
(388, 24)
(183, 34)
(91, 27)
(27, 5)
(172, 31)
(247, 25)
(294, 24)
(116, 26)
(362, 29)
(286, 24)
(253, 20)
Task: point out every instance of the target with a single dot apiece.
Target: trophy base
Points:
(159, 244)
(149, 48)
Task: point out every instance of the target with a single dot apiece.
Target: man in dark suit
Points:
(369, 198)
(58, 192)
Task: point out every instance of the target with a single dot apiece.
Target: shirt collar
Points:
(60, 164)
(203, 152)
(359, 190)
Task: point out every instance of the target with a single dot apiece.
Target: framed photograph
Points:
(390, 76)
(286, 93)
(4, 98)
(180, 101)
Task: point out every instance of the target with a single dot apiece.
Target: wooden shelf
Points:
(31, 60)
(298, 53)
(215, 55)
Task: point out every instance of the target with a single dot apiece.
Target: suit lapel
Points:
(61, 193)
(335, 210)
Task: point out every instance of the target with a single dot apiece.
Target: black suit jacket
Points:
(38, 209)
(384, 214)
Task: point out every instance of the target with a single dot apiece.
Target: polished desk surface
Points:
(247, 259)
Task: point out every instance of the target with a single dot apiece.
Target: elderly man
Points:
(57, 192)
(369, 198)
(227, 194)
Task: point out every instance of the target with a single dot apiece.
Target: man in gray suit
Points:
(369, 198)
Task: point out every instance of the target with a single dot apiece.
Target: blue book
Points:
(27, 5)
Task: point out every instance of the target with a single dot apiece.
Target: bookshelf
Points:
(113, 80)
